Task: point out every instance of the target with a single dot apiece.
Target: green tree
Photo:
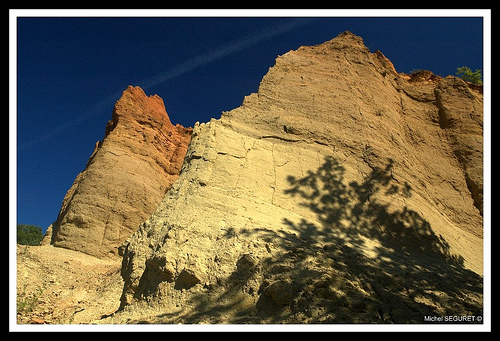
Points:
(29, 234)
(467, 75)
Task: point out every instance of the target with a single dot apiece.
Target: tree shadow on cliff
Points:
(364, 258)
(354, 213)
(393, 267)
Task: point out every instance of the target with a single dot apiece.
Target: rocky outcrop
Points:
(340, 192)
(460, 113)
(125, 178)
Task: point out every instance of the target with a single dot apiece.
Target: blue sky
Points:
(70, 71)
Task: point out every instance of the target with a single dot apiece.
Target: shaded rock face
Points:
(125, 178)
(340, 192)
(460, 113)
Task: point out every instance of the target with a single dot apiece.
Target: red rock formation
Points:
(126, 176)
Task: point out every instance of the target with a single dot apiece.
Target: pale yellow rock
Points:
(337, 178)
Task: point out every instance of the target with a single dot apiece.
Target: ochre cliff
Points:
(340, 192)
(125, 178)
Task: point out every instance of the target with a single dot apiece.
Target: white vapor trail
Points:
(221, 52)
(173, 72)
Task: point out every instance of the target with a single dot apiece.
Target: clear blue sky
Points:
(70, 71)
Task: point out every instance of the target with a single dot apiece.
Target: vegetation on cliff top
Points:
(467, 75)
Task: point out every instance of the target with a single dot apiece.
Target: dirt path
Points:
(59, 286)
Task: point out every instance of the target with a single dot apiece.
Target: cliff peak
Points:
(344, 41)
(125, 178)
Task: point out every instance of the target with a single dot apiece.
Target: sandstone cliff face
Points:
(340, 192)
(126, 177)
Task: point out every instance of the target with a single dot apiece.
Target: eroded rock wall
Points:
(126, 177)
(339, 192)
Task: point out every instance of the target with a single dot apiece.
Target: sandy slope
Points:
(60, 286)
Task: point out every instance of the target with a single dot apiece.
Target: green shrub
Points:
(472, 77)
(29, 234)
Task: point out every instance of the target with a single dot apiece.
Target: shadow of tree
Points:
(354, 213)
(399, 269)
(362, 260)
